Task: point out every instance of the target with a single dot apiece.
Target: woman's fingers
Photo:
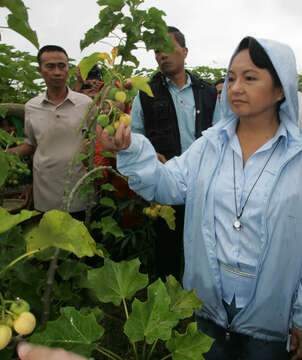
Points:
(119, 141)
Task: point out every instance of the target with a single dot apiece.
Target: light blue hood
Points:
(284, 62)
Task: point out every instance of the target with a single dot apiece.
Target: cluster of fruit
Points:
(154, 210)
(19, 318)
(18, 170)
(110, 121)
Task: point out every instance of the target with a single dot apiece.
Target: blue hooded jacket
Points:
(275, 303)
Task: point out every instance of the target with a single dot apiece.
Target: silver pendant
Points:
(237, 224)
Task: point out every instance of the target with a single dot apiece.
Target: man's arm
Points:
(22, 150)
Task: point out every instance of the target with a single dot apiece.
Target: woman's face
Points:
(251, 91)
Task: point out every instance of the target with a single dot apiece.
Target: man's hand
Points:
(121, 140)
(27, 195)
(296, 343)
(161, 158)
(36, 352)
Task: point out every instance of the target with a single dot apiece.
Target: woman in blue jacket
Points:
(241, 185)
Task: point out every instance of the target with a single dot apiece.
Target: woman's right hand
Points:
(121, 140)
(37, 352)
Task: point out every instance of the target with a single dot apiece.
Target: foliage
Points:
(209, 74)
(18, 75)
(137, 26)
(18, 20)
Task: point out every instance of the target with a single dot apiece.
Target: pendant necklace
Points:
(237, 223)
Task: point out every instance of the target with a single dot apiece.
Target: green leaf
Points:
(60, 229)
(115, 5)
(8, 221)
(3, 112)
(117, 281)
(108, 22)
(18, 20)
(141, 83)
(71, 268)
(108, 187)
(72, 332)
(4, 168)
(87, 63)
(167, 213)
(182, 302)
(81, 157)
(108, 154)
(109, 225)
(189, 346)
(106, 201)
(23, 28)
(151, 320)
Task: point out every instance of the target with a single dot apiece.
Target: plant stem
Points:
(152, 349)
(127, 316)
(166, 357)
(125, 308)
(144, 349)
(2, 305)
(49, 285)
(108, 353)
(83, 178)
(18, 259)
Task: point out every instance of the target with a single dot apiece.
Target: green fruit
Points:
(19, 306)
(103, 120)
(120, 96)
(112, 92)
(110, 129)
(133, 92)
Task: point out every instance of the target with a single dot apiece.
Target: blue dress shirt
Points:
(241, 249)
(184, 103)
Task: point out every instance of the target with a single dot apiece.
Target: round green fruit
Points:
(110, 129)
(133, 92)
(120, 96)
(112, 93)
(19, 306)
(103, 120)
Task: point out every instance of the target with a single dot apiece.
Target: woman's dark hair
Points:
(259, 57)
(220, 81)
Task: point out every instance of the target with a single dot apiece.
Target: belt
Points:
(235, 270)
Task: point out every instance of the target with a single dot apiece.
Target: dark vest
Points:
(160, 120)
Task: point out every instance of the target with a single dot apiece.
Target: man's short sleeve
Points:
(28, 130)
(137, 117)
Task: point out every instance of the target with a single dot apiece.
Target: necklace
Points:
(237, 224)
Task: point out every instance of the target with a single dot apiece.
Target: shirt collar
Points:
(229, 131)
(69, 97)
(172, 83)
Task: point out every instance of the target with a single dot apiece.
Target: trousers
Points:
(235, 346)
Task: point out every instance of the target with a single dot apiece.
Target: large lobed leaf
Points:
(108, 22)
(152, 319)
(72, 332)
(189, 346)
(117, 281)
(182, 302)
(8, 221)
(60, 229)
(167, 213)
(141, 83)
(18, 20)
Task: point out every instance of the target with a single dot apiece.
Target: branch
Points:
(49, 285)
